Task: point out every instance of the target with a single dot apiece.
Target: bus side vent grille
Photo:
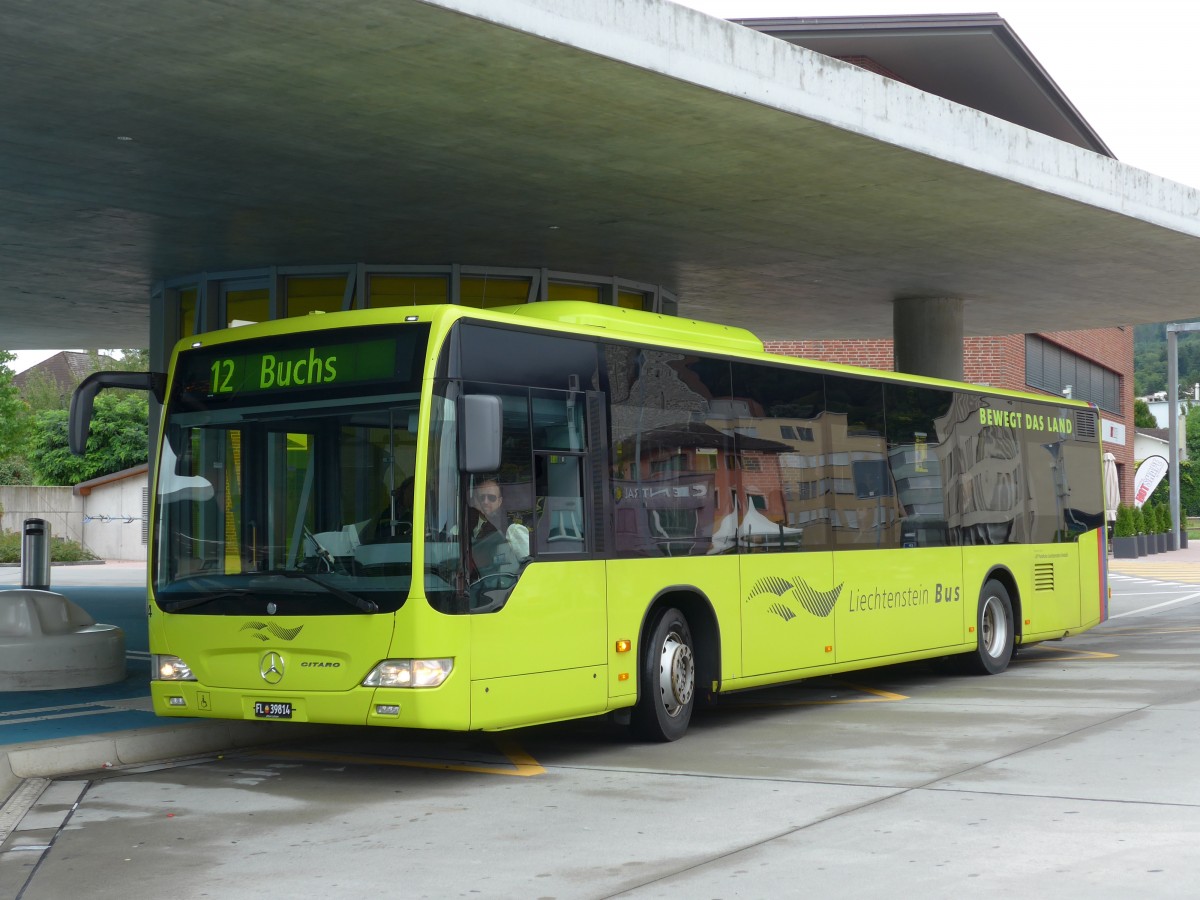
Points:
(1085, 424)
(1043, 576)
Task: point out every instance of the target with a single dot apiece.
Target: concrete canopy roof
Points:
(974, 59)
(768, 186)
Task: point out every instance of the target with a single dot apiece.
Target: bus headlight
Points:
(414, 673)
(169, 668)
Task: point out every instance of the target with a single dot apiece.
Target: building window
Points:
(385, 291)
(488, 292)
(1051, 368)
(795, 433)
(321, 294)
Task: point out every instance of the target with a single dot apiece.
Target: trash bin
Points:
(35, 555)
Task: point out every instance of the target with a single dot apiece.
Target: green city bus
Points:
(615, 512)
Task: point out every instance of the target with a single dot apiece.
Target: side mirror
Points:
(481, 430)
(80, 423)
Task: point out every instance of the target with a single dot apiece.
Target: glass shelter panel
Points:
(246, 306)
(314, 294)
(188, 311)
(488, 292)
(407, 290)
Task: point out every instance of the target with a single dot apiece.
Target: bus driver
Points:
(496, 544)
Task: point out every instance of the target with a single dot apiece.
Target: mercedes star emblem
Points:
(271, 668)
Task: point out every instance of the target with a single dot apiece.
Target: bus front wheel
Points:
(667, 680)
(994, 630)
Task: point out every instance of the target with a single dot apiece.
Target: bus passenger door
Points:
(541, 656)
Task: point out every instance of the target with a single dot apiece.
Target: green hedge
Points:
(60, 550)
(1189, 489)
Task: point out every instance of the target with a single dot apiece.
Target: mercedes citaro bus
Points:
(674, 514)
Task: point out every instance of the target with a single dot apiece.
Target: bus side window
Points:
(673, 457)
(560, 443)
(561, 518)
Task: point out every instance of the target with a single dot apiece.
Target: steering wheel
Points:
(490, 592)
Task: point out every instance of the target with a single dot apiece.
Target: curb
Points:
(73, 562)
(52, 759)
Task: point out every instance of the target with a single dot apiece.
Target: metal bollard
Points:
(35, 555)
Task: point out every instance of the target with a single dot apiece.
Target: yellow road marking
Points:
(1184, 573)
(878, 696)
(1070, 654)
(523, 765)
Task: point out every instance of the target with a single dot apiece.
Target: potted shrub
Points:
(1124, 536)
(1139, 528)
(1164, 516)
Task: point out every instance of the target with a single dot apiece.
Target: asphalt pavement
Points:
(51, 733)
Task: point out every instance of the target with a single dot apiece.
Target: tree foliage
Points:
(118, 440)
(33, 425)
(42, 392)
(1150, 359)
(1189, 490)
(14, 412)
(1192, 433)
(1142, 417)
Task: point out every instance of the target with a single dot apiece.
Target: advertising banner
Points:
(1149, 474)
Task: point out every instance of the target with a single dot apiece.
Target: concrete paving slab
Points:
(943, 844)
(1133, 759)
(577, 833)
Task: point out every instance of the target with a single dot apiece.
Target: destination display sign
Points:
(298, 363)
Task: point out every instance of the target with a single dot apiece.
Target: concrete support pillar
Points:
(927, 334)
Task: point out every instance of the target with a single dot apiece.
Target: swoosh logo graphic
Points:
(818, 603)
(277, 632)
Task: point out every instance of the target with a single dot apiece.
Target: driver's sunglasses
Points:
(488, 498)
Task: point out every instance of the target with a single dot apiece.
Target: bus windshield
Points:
(306, 507)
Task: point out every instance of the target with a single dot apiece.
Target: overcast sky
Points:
(1129, 68)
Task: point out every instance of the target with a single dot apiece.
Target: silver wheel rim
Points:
(676, 674)
(993, 628)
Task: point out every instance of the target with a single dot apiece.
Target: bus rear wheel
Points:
(994, 630)
(667, 682)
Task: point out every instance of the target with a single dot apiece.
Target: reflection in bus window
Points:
(914, 461)
(671, 487)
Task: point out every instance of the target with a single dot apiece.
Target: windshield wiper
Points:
(367, 606)
(189, 602)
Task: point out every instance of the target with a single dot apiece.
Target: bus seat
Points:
(560, 526)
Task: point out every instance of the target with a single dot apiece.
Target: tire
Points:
(994, 631)
(667, 680)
